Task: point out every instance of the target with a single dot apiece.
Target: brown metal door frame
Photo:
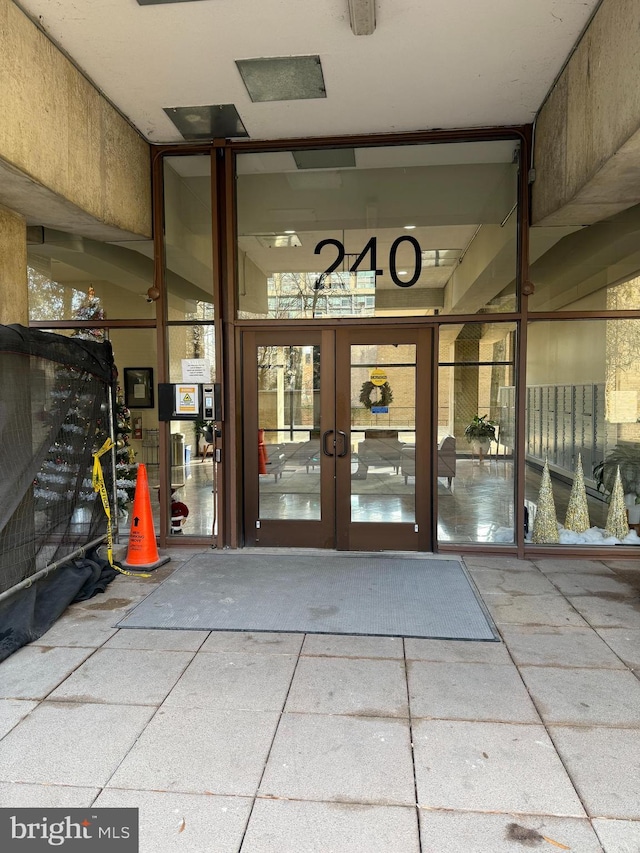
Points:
(335, 529)
(363, 536)
(287, 533)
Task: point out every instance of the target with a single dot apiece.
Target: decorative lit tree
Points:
(545, 525)
(577, 517)
(617, 516)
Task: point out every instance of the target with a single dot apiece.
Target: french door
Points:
(337, 438)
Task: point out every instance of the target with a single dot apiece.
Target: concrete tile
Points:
(223, 682)
(585, 696)
(281, 826)
(625, 642)
(61, 743)
(490, 561)
(491, 767)
(78, 628)
(17, 795)
(469, 691)
(199, 751)
(531, 644)
(550, 565)
(221, 642)
(119, 594)
(604, 764)
(365, 688)
(579, 583)
(471, 832)
(12, 711)
(34, 671)
(333, 645)
(171, 641)
(603, 611)
(618, 836)
(460, 651)
(124, 677)
(362, 760)
(172, 822)
(512, 582)
(532, 610)
(624, 565)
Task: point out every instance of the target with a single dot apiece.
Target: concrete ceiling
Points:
(428, 64)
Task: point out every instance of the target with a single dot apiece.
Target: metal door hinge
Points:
(257, 525)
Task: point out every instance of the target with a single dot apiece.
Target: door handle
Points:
(324, 442)
(345, 445)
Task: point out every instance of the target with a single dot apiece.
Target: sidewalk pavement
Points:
(288, 743)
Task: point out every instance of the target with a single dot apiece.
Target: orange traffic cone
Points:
(143, 551)
(262, 453)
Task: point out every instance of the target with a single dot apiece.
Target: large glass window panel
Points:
(289, 432)
(188, 238)
(383, 433)
(407, 230)
(192, 444)
(71, 277)
(138, 414)
(476, 472)
(594, 268)
(583, 411)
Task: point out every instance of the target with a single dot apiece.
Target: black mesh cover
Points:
(53, 416)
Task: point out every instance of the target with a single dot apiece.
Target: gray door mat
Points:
(329, 594)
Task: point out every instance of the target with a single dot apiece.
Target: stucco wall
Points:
(65, 141)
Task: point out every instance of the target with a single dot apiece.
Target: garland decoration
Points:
(386, 395)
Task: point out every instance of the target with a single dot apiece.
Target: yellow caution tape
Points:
(97, 479)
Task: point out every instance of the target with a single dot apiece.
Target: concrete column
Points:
(465, 382)
(14, 305)
(587, 140)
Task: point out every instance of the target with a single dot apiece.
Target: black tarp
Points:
(54, 415)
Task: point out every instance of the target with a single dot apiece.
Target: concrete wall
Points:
(587, 139)
(68, 159)
(13, 269)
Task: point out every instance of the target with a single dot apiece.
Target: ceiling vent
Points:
(216, 121)
(282, 78)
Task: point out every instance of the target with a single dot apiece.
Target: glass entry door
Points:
(336, 439)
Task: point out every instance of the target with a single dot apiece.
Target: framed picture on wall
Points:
(138, 387)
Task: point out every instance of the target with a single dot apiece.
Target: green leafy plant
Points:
(480, 429)
(627, 458)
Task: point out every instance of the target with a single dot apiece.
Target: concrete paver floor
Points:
(288, 743)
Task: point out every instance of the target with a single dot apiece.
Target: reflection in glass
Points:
(592, 268)
(289, 456)
(188, 239)
(476, 480)
(65, 272)
(383, 403)
(385, 237)
(583, 398)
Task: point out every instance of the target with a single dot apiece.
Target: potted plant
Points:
(627, 458)
(480, 433)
